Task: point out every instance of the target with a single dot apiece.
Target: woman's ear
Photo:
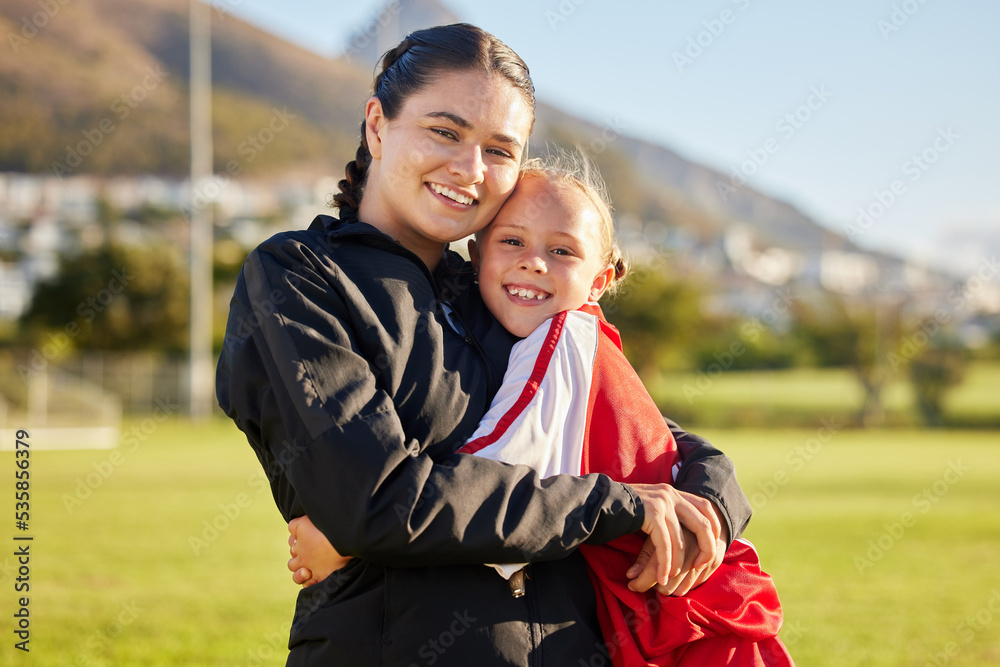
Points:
(602, 282)
(374, 122)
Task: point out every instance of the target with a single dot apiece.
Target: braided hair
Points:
(413, 64)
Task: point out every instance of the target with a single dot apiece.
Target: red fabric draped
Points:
(734, 617)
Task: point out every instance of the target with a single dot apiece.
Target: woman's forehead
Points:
(477, 101)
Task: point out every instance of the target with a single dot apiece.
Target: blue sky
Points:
(889, 106)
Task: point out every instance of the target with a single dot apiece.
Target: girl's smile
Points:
(541, 255)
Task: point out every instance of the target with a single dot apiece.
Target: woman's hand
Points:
(313, 557)
(667, 559)
(692, 575)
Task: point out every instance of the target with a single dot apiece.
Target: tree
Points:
(115, 297)
(933, 372)
(853, 332)
(659, 317)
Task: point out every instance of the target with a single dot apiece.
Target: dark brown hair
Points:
(413, 64)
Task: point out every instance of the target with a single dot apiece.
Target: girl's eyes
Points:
(518, 243)
(444, 133)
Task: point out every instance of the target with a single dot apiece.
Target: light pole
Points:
(200, 376)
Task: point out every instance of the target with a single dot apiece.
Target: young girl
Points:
(571, 403)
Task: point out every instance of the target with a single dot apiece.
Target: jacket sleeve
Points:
(709, 473)
(334, 448)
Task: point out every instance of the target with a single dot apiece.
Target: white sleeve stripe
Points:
(546, 432)
(527, 393)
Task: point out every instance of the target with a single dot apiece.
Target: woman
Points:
(359, 357)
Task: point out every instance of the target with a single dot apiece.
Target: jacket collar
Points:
(452, 265)
(339, 228)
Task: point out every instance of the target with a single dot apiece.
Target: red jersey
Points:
(571, 403)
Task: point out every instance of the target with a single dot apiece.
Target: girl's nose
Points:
(533, 262)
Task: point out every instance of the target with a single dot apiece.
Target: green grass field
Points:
(799, 396)
(117, 580)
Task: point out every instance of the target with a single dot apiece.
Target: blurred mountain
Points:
(100, 87)
(388, 27)
(103, 83)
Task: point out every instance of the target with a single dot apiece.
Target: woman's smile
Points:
(446, 162)
(451, 196)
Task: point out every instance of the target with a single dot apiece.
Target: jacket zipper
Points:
(491, 382)
(534, 624)
(517, 583)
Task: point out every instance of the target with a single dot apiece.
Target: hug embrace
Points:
(445, 414)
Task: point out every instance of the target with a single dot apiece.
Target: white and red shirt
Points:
(571, 403)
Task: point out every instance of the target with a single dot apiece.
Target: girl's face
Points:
(443, 167)
(541, 255)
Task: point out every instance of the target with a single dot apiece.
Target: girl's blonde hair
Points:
(574, 169)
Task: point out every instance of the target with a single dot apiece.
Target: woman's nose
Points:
(468, 165)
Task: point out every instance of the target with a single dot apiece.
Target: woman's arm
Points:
(710, 479)
(708, 473)
(333, 446)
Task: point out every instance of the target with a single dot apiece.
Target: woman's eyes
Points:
(500, 152)
(451, 134)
